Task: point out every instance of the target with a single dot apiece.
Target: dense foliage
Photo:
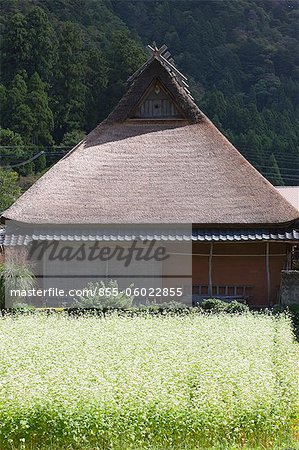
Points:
(9, 189)
(65, 64)
(60, 77)
(210, 382)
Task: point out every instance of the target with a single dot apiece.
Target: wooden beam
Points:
(185, 84)
(289, 257)
(210, 290)
(154, 53)
(157, 51)
(174, 69)
(268, 271)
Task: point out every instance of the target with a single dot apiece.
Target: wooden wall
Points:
(241, 264)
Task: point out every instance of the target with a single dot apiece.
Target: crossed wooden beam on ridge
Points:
(164, 57)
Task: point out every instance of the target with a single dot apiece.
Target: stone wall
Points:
(289, 287)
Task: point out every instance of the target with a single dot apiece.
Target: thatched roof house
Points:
(154, 169)
(158, 159)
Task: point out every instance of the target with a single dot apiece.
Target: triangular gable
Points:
(179, 102)
(157, 103)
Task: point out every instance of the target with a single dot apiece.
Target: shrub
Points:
(100, 295)
(17, 276)
(236, 307)
(213, 305)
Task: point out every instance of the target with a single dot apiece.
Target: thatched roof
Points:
(153, 171)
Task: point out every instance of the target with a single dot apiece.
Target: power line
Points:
(277, 157)
(24, 162)
(40, 146)
(283, 163)
(273, 173)
(45, 153)
(284, 178)
(250, 154)
(286, 169)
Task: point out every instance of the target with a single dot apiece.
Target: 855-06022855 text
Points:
(100, 291)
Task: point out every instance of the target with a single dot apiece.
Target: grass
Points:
(181, 383)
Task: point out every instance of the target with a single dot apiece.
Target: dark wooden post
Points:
(210, 290)
(268, 271)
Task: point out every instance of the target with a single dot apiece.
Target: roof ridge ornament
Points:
(164, 57)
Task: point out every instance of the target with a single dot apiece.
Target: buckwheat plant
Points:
(135, 383)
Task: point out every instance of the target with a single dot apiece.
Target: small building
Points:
(157, 159)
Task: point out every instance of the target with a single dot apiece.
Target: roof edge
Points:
(274, 226)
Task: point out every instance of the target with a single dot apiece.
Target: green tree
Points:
(215, 104)
(42, 42)
(42, 117)
(9, 189)
(69, 90)
(125, 57)
(273, 174)
(250, 144)
(40, 163)
(15, 46)
(3, 104)
(18, 115)
(14, 151)
(11, 147)
(96, 79)
(73, 138)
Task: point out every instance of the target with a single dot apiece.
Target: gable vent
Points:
(156, 104)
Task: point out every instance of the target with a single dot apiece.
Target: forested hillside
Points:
(65, 64)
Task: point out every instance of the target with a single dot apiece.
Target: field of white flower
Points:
(193, 382)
